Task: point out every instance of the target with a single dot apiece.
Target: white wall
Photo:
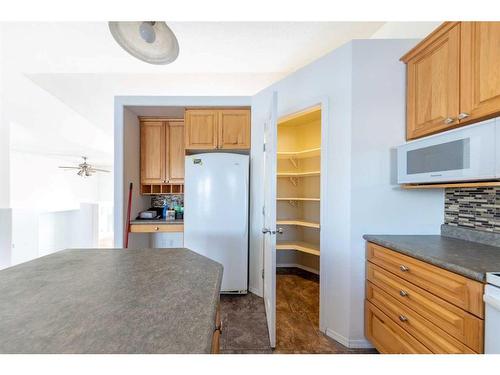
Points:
(38, 132)
(132, 173)
(363, 83)
(5, 236)
(4, 135)
(38, 183)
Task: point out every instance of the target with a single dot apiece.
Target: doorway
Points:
(298, 242)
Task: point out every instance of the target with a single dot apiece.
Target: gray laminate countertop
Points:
(110, 301)
(469, 259)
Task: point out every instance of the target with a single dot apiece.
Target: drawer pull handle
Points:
(156, 228)
(403, 268)
(403, 318)
(403, 293)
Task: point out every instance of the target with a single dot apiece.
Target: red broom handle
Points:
(128, 215)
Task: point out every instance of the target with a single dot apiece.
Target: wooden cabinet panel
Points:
(201, 129)
(387, 336)
(152, 152)
(156, 228)
(458, 323)
(175, 160)
(234, 129)
(217, 333)
(433, 83)
(458, 290)
(480, 70)
(434, 338)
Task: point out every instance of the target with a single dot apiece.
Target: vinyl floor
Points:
(297, 320)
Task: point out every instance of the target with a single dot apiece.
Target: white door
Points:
(269, 229)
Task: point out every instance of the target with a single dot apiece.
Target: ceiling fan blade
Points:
(69, 167)
(99, 170)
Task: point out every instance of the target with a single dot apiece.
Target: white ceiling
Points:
(205, 47)
(83, 67)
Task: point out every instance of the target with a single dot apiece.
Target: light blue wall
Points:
(378, 204)
(363, 83)
(330, 78)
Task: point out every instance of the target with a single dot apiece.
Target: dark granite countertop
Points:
(470, 259)
(156, 222)
(110, 301)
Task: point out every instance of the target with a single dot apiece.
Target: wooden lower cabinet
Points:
(458, 323)
(387, 336)
(433, 338)
(456, 289)
(430, 305)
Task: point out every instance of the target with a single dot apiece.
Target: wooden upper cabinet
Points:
(162, 152)
(201, 129)
(152, 152)
(433, 71)
(210, 129)
(453, 78)
(175, 152)
(480, 70)
(234, 129)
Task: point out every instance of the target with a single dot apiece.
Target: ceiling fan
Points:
(85, 169)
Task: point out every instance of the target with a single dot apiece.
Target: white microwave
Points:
(471, 153)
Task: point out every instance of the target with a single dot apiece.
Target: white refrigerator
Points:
(216, 198)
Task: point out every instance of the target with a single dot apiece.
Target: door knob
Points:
(267, 230)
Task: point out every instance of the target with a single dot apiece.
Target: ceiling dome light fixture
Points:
(149, 41)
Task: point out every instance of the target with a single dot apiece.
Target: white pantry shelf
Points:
(299, 246)
(298, 222)
(298, 199)
(301, 154)
(298, 174)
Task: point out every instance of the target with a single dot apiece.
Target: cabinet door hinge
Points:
(264, 147)
(263, 273)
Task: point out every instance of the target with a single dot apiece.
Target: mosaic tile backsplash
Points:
(473, 208)
(170, 200)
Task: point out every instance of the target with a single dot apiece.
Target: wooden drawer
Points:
(458, 290)
(387, 336)
(156, 228)
(460, 324)
(434, 338)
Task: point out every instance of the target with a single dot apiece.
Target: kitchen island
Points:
(110, 301)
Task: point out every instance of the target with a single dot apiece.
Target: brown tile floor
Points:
(297, 314)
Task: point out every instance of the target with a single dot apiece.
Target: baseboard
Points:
(353, 344)
(305, 268)
(255, 291)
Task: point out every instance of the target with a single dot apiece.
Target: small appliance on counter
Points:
(148, 215)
